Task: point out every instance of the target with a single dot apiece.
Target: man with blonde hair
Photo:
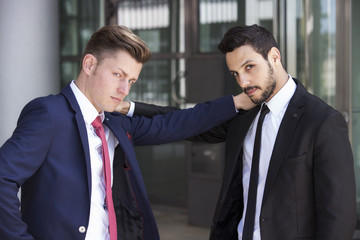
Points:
(61, 153)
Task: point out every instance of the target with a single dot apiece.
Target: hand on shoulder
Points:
(123, 107)
(242, 101)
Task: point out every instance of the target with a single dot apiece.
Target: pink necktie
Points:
(107, 174)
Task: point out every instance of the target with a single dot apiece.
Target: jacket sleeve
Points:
(214, 135)
(150, 110)
(20, 157)
(334, 181)
(182, 124)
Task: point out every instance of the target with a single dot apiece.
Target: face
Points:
(253, 73)
(109, 81)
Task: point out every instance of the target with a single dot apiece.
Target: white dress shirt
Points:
(98, 219)
(277, 105)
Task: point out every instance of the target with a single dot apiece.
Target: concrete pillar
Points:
(29, 56)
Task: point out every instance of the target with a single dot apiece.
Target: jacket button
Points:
(82, 229)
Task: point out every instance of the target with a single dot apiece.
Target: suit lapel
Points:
(69, 95)
(125, 143)
(284, 136)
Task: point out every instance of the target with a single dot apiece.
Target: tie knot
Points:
(97, 122)
(264, 110)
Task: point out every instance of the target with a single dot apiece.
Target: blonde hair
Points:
(109, 39)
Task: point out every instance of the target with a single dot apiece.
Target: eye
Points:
(132, 81)
(249, 67)
(117, 74)
(235, 74)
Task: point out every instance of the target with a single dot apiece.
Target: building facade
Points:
(318, 40)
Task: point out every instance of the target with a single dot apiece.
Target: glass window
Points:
(78, 20)
(153, 84)
(150, 20)
(217, 16)
(356, 98)
(316, 47)
(160, 82)
(69, 71)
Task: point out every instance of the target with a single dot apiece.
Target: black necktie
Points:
(248, 230)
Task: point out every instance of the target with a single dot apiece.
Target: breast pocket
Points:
(295, 160)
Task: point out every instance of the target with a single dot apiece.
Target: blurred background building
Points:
(41, 44)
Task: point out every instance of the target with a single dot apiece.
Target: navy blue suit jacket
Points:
(48, 157)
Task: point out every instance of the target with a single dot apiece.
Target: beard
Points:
(268, 88)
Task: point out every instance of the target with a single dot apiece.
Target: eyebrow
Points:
(125, 73)
(122, 71)
(246, 62)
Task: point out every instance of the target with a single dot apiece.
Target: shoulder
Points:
(49, 108)
(318, 107)
(311, 104)
(314, 112)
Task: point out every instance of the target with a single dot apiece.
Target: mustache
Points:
(251, 88)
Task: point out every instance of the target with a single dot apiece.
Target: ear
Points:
(89, 63)
(274, 55)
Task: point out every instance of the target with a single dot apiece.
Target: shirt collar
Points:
(88, 110)
(282, 98)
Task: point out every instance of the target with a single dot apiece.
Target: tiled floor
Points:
(173, 225)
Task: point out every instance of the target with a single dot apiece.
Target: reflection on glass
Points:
(356, 98)
(69, 71)
(144, 14)
(300, 41)
(205, 159)
(78, 20)
(215, 18)
(316, 62)
(68, 27)
(163, 166)
(260, 12)
(164, 172)
(150, 20)
(69, 39)
(153, 85)
(69, 7)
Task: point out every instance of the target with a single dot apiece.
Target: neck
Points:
(281, 79)
(80, 82)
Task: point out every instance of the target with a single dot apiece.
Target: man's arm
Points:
(143, 109)
(215, 135)
(20, 157)
(334, 181)
(179, 125)
(149, 110)
(241, 101)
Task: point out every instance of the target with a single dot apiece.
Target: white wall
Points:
(29, 56)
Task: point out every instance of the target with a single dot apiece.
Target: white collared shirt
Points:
(277, 105)
(98, 219)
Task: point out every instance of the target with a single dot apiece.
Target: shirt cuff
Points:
(131, 110)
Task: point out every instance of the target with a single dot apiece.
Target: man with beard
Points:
(294, 177)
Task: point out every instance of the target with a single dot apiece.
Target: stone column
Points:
(29, 56)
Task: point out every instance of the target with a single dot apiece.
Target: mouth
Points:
(250, 90)
(117, 99)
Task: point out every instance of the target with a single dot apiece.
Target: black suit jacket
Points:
(310, 186)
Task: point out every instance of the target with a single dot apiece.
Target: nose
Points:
(124, 87)
(242, 81)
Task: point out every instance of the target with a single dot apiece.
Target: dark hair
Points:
(255, 36)
(109, 39)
